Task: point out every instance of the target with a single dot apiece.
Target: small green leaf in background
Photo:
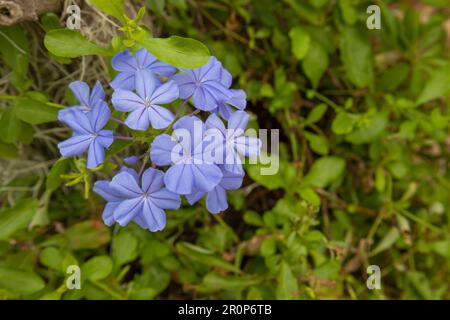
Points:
(324, 171)
(179, 52)
(54, 179)
(17, 217)
(438, 86)
(87, 235)
(10, 127)
(8, 150)
(387, 242)
(300, 42)
(34, 112)
(316, 113)
(124, 248)
(71, 44)
(215, 282)
(357, 57)
(343, 123)
(315, 63)
(97, 268)
(370, 129)
(318, 144)
(51, 257)
(287, 284)
(114, 8)
(21, 282)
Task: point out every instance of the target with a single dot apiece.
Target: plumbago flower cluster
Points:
(201, 157)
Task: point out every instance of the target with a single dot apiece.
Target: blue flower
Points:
(216, 199)
(205, 85)
(144, 106)
(235, 144)
(87, 100)
(238, 100)
(87, 134)
(189, 172)
(129, 66)
(144, 204)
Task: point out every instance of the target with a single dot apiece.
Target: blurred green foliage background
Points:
(364, 159)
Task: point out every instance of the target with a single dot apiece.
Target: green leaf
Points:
(300, 41)
(8, 150)
(51, 257)
(21, 282)
(357, 57)
(54, 179)
(315, 63)
(17, 217)
(318, 144)
(34, 112)
(316, 113)
(204, 256)
(287, 285)
(438, 86)
(387, 242)
(114, 8)
(343, 123)
(272, 172)
(97, 268)
(10, 127)
(124, 248)
(215, 282)
(179, 52)
(370, 130)
(324, 171)
(71, 44)
(87, 235)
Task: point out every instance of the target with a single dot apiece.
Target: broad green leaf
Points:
(17, 217)
(272, 172)
(71, 44)
(370, 129)
(287, 285)
(324, 171)
(316, 113)
(204, 256)
(114, 8)
(10, 127)
(124, 248)
(392, 78)
(21, 282)
(89, 234)
(8, 150)
(438, 86)
(357, 57)
(34, 112)
(319, 144)
(51, 257)
(343, 123)
(215, 282)
(179, 52)
(300, 42)
(315, 63)
(54, 179)
(97, 268)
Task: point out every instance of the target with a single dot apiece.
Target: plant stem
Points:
(117, 120)
(123, 138)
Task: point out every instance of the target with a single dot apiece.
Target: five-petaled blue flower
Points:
(216, 199)
(144, 107)
(190, 172)
(88, 134)
(143, 203)
(234, 144)
(129, 66)
(205, 85)
(87, 100)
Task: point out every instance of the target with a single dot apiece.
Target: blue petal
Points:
(165, 93)
(108, 213)
(128, 210)
(238, 121)
(194, 197)
(99, 116)
(97, 94)
(231, 181)
(160, 117)
(180, 179)
(154, 216)
(213, 121)
(206, 176)
(105, 138)
(238, 99)
(125, 184)
(165, 199)
(75, 145)
(146, 83)
(203, 99)
(185, 84)
(216, 200)
(96, 155)
(124, 61)
(139, 119)
(76, 120)
(161, 150)
(103, 189)
(152, 180)
(124, 80)
(132, 172)
(80, 90)
(126, 101)
(248, 146)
